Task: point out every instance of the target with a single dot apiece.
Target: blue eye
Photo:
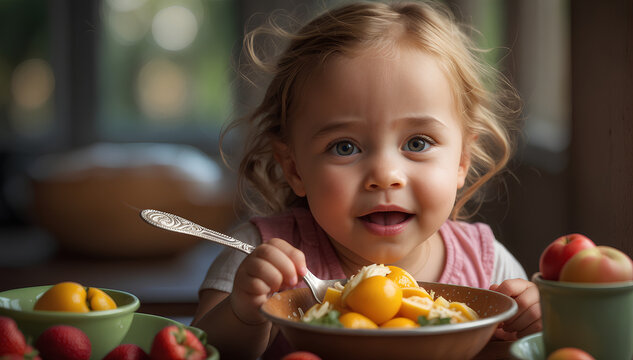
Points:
(417, 144)
(345, 148)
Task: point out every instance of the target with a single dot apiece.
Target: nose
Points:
(385, 173)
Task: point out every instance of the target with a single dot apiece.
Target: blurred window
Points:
(544, 80)
(165, 69)
(27, 81)
(153, 70)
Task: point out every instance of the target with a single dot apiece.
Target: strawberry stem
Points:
(180, 335)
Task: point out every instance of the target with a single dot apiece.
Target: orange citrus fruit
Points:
(65, 296)
(99, 300)
(415, 306)
(401, 277)
(399, 322)
(353, 320)
(376, 297)
(72, 297)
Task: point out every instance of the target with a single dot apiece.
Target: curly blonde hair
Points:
(482, 93)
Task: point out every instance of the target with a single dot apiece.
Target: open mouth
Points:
(386, 218)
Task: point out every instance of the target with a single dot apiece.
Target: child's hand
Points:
(527, 320)
(269, 268)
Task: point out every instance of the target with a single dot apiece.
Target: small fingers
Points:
(536, 326)
(260, 276)
(296, 256)
(512, 287)
(528, 303)
(276, 264)
(501, 334)
(527, 320)
(273, 266)
(266, 270)
(530, 318)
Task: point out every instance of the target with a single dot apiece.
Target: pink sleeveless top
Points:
(469, 253)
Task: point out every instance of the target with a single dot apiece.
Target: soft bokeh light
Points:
(128, 24)
(126, 5)
(174, 28)
(32, 83)
(162, 88)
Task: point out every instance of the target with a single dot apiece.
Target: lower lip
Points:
(386, 230)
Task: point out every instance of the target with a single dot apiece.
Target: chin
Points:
(386, 257)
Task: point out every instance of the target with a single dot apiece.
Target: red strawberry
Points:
(11, 357)
(64, 342)
(127, 352)
(11, 338)
(29, 354)
(301, 355)
(177, 343)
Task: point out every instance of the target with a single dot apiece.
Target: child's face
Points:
(376, 146)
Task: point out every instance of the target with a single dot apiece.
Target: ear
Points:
(285, 158)
(464, 166)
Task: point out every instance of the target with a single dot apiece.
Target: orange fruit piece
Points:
(72, 297)
(99, 300)
(415, 291)
(401, 277)
(376, 297)
(466, 310)
(441, 302)
(399, 322)
(333, 296)
(415, 306)
(65, 296)
(354, 320)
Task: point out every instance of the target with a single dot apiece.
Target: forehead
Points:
(378, 85)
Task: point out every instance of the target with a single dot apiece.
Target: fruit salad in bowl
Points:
(383, 313)
(104, 315)
(381, 296)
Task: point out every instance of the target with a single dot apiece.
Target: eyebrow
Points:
(334, 126)
(412, 120)
(423, 120)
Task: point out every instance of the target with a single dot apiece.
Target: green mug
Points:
(597, 318)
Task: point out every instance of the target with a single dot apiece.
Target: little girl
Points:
(378, 126)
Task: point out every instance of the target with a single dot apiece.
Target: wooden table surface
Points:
(495, 350)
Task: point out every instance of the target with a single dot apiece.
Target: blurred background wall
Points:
(99, 99)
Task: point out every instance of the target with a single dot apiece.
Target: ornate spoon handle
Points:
(173, 222)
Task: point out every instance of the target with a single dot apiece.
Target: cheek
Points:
(327, 184)
(436, 188)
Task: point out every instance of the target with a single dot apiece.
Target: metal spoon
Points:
(176, 223)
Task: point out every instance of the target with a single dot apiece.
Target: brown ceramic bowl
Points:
(89, 199)
(452, 341)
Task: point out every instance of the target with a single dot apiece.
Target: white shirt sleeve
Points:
(222, 271)
(506, 266)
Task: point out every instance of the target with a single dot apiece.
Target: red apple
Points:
(599, 264)
(301, 355)
(569, 353)
(558, 252)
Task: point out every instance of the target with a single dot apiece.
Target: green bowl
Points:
(105, 329)
(528, 348)
(145, 326)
